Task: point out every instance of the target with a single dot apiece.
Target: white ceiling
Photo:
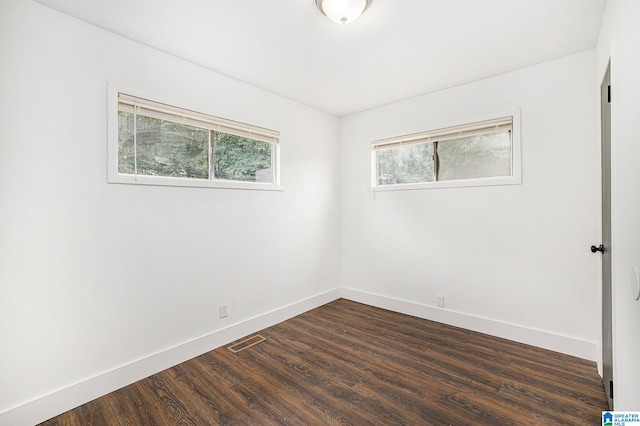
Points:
(396, 50)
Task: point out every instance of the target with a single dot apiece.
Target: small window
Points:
(158, 144)
(480, 153)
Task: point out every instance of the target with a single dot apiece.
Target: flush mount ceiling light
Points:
(343, 11)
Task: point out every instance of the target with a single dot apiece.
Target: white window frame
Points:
(516, 161)
(113, 175)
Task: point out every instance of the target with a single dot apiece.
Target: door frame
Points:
(606, 279)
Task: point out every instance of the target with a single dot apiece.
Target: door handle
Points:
(600, 248)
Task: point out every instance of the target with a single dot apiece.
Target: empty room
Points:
(319, 211)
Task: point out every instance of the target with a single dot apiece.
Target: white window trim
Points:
(113, 176)
(516, 159)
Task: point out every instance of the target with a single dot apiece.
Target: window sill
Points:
(462, 183)
(193, 183)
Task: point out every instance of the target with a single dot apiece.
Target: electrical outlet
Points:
(440, 301)
(224, 310)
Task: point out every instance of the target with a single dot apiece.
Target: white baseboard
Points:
(50, 405)
(543, 339)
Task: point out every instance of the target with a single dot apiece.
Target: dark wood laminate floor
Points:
(350, 364)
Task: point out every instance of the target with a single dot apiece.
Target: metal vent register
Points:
(246, 343)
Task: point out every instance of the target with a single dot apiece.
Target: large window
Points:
(159, 144)
(479, 153)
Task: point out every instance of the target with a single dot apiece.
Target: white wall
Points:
(620, 41)
(510, 260)
(95, 276)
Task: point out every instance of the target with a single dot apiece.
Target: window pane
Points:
(165, 148)
(405, 164)
(126, 158)
(475, 157)
(242, 159)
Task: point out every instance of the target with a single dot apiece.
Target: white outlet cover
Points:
(635, 283)
(224, 312)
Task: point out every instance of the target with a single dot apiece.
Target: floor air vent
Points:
(246, 343)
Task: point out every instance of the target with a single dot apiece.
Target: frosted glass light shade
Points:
(343, 11)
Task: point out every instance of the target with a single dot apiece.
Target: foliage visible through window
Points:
(158, 140)
(405, 164)
(241, 159)
(478, 150)
(475, 157)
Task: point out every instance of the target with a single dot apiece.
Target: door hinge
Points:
(611, 389)
(609, 93)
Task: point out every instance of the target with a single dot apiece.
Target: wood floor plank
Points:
(65, 419)
(370, 389)
(215, 366)
(96, 412)
(163, 392)
(210, 394)
(551, 405)
(132, 408)
(374, 349)
(551, 380)
(313, 390)
(286, 382)
(350, 364)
